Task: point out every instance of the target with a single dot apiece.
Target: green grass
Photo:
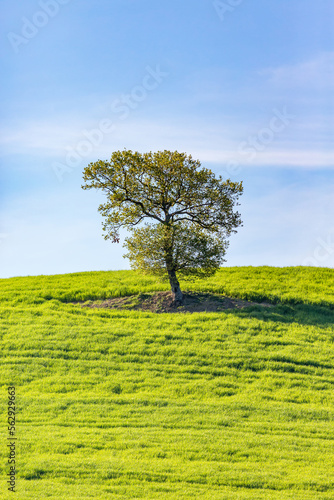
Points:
(234, 405)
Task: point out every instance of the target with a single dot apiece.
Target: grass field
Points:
(115, 404)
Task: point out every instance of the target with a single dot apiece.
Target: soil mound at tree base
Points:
(162, 302)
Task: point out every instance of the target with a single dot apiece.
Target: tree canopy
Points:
(190, 212)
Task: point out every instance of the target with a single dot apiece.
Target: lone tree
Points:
(190, 212)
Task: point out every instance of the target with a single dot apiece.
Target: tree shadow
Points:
(303, 314)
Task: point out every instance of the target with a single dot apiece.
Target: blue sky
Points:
(245, 87)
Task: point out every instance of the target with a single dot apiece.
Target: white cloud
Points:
(317, 73)
(214, 138)
(213, 144)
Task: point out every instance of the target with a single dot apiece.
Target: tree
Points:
(191, 212)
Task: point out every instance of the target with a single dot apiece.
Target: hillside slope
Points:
(230, 405)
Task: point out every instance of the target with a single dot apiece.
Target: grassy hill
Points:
(116, 404)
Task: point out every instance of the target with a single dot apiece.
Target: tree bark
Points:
(170, 266)
(175, 287)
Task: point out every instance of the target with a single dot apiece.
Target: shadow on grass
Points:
(304, 314)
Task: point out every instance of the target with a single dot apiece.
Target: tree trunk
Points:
(175, 287)
(170, 266)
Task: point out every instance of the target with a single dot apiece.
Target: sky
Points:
(245, 87)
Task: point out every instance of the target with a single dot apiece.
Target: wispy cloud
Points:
(316, 73)
(307, 142)
(211, 144)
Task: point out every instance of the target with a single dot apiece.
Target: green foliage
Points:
(126, 405)
(164, 186)
(194, 251)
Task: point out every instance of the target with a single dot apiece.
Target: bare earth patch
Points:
(161, 302)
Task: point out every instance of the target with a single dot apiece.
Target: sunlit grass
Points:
(124, 404)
